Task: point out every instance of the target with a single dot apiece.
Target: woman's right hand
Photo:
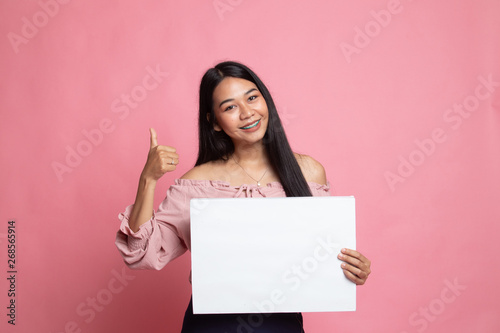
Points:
(161, 159)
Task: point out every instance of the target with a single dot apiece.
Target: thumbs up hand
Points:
(161, 159)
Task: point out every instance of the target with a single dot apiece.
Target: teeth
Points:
(253, 125)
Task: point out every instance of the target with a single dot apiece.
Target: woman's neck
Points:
(253, 155)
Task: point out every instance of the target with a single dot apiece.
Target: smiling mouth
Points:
(252, 125)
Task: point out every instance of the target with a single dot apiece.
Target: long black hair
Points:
(216, 145)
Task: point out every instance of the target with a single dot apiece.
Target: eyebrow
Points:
(232, 99)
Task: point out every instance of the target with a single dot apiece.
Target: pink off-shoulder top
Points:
(166, 235)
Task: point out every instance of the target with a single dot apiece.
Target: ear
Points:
(217, 128)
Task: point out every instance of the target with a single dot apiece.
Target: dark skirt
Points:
(241, 323)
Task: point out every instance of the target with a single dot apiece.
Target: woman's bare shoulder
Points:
(204, 171)
(312, 170)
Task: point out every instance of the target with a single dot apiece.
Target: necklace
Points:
(258, 181)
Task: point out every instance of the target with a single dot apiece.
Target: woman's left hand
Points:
(355, 266)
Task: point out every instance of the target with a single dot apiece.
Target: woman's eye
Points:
(251, 98)
(230, 107)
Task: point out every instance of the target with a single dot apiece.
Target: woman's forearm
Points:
(161, 159)
(143, 205)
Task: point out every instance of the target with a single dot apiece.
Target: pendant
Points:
(258, 183)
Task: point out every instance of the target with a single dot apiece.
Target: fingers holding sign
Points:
(356, 266)
(161, 159)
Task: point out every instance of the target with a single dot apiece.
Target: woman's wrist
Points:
(147, 182)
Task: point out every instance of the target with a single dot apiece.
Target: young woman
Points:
(243, 152)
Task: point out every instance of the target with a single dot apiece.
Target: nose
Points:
(246, 111)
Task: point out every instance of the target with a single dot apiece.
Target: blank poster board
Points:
(259, 255)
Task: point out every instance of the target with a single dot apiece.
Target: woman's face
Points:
(240, 110)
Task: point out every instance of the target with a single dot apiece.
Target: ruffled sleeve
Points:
(159, 240)
(320, 190)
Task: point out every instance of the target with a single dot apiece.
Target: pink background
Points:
(371, 89)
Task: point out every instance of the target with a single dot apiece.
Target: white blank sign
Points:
(258, 255)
